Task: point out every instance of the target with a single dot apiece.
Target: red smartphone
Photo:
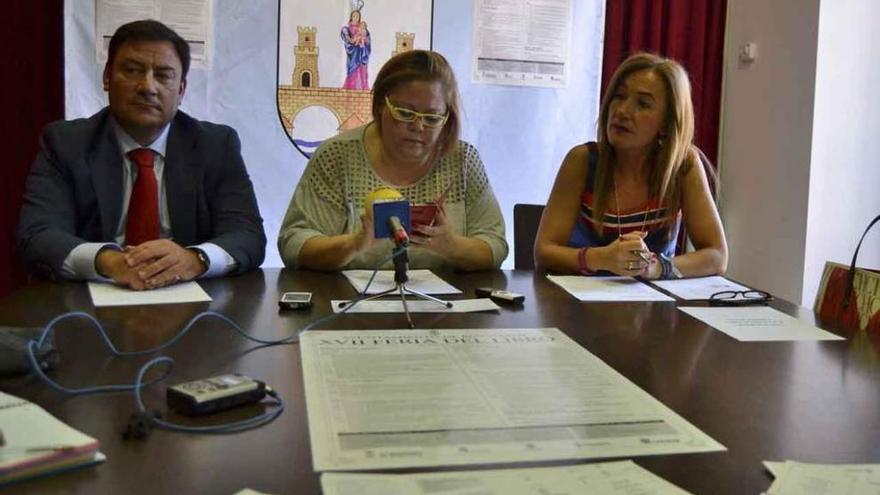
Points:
(422, 214)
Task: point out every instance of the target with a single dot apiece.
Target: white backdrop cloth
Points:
(522, 133)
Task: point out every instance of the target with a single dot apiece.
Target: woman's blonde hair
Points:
(421, 65)
(675, 152)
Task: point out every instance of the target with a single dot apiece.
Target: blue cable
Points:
(35, 345)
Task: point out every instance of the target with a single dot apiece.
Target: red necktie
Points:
(143, 208)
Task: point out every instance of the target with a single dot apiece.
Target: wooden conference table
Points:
(806, 401)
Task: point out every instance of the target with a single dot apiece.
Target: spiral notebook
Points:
(38, 444)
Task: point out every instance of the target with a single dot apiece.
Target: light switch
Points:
(748, 52)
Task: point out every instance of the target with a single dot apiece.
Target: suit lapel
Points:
(105, 162)
(180, 178)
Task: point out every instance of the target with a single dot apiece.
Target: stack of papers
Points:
(609, 478)
(37, 444)
(796, 478)
(607, 288)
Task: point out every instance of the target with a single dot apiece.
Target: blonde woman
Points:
(617, 205)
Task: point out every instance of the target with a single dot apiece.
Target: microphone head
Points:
(381, 194)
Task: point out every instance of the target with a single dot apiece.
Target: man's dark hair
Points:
(149, 30)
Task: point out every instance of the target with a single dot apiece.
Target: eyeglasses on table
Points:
(740, 298)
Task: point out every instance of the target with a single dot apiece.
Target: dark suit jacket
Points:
(74, 191)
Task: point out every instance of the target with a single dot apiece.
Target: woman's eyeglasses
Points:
(406, 115)
(739, 298)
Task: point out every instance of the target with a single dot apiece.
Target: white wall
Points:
(521, 133)
(799, 148)
(764, 158)
(845, 166)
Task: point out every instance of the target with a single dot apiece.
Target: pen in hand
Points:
(642, 255)
(439, 202)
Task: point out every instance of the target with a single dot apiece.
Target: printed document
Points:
(193, 20)
(796, 478)
(104, 294)
(416, 398)
(607, 478)
(607, 288)
(418, 306)
(758, 323)
(700, 288)
(522, 42)
(419, 280)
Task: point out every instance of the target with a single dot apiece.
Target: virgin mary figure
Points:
(356, 39)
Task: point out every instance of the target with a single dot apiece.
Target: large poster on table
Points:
(329, 53)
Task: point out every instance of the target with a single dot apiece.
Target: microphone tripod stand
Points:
(401, 263)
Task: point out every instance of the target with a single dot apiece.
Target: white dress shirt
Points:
(80, 262)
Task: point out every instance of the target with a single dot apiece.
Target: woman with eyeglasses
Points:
(411, 146)
(617, 205)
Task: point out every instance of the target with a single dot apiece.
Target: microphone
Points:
(391, 215)
(398, 233)
(380, 195)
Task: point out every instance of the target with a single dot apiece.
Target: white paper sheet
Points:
(419, 306)
(522, 42)
(607, 288)
(607, 478)
(797, 478)
(419, 280)
(774, 467)
(698, 288)
(417, 398)
(758, 323)
(114, 295)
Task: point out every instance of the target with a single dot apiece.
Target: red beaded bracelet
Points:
(583, 269)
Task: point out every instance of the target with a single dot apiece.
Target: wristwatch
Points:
(203, 258)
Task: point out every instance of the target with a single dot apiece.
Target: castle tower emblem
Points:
(305, 69)
(404, 43)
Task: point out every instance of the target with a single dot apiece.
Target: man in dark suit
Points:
(141, 193)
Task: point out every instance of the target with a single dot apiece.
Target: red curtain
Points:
(32, 40)
(689, 31)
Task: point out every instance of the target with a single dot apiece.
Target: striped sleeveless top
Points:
(662, 233)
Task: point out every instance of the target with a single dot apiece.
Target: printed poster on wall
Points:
(522, 42)
(193, 20)
(329, 53)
